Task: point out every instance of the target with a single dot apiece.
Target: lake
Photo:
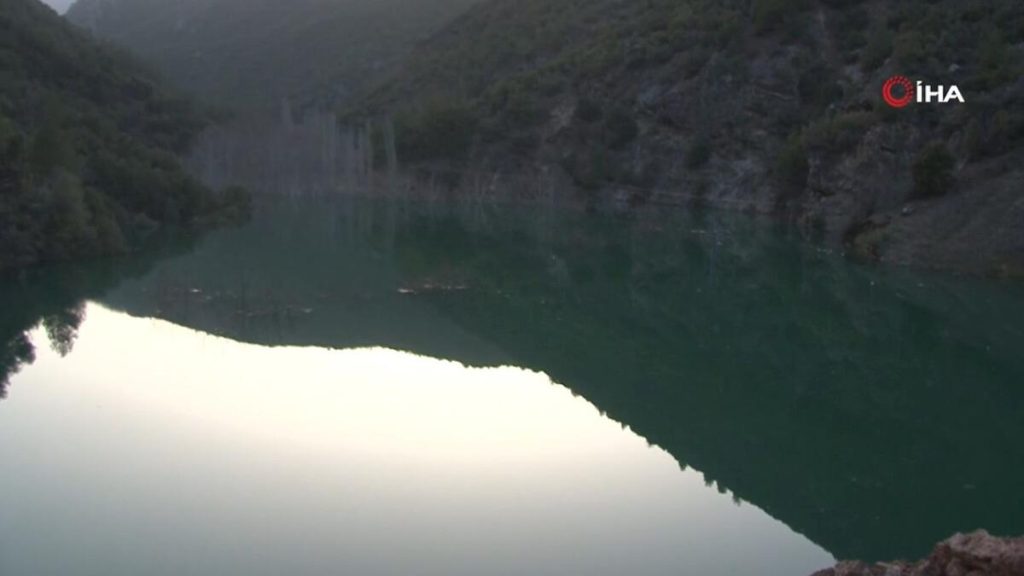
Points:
(395, 386)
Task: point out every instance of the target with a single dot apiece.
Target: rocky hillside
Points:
(762, 105)
(89, 145)
(253, 53)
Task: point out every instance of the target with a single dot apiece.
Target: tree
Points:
(49, 150)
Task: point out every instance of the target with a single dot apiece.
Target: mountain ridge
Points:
(251, 55)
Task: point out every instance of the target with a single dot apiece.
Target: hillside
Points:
(763, 105)
(252, 53)
(89, 145)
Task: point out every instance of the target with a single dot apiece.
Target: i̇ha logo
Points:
(899, 91)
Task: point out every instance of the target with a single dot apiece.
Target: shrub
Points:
(588, 168)
(791, 166)
(438, 128)
(234, 204)
(769, 15)
(933, 171)
(837, 133)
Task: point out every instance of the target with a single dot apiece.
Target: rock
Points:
(975, 554)
(978, 553)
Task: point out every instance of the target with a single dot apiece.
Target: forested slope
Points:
(89, 145)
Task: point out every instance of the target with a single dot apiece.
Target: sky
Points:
(59, 5)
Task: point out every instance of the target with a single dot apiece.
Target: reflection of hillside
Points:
(871, 413)
(300, 277)
(55, 296)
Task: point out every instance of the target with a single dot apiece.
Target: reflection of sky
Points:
(159, 450)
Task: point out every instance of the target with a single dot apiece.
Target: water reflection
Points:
(249, 460)
(874, 412)
(55, 297)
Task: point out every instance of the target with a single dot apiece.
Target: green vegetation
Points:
(836, 134)
(88, 145)
(438, 128)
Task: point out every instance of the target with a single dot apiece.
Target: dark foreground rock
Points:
(975, 554)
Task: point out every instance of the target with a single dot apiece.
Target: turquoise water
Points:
(400, 387)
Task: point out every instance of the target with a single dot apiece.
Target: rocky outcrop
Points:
(975, 554)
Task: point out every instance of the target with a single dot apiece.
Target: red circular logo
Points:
(893, 84)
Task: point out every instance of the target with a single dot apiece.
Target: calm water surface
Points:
(398, 387)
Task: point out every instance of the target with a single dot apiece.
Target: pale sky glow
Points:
(59, 5)
(246, 460)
